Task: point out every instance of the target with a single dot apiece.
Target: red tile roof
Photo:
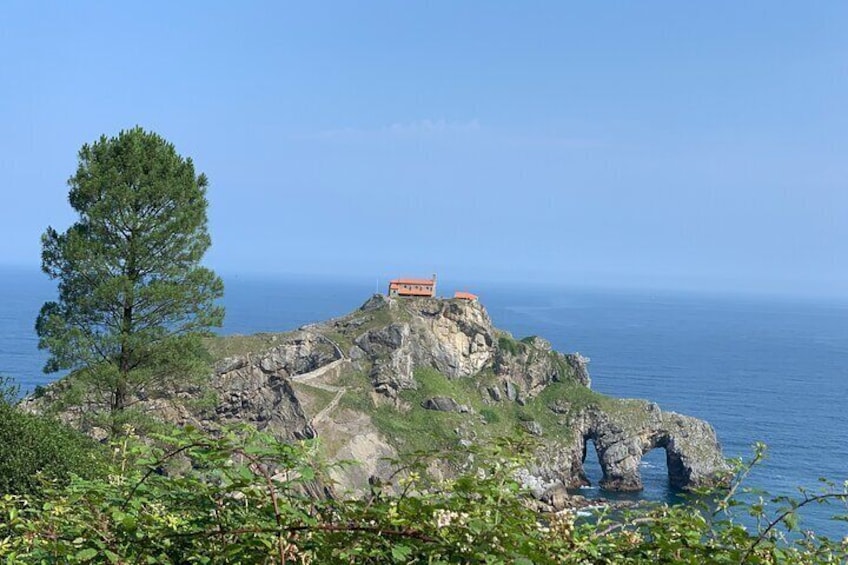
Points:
(412, 281)
(465, 295)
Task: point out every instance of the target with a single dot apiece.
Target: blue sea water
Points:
(759, 369)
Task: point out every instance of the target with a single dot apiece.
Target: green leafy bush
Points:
(511, 345)
(37, 449)
(245, 497)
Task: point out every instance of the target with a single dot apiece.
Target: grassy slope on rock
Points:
(414, 428)
(221, 347)
(410, 427)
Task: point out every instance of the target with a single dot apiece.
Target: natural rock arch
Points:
(622, 438)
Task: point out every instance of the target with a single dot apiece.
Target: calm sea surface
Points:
(770, 370)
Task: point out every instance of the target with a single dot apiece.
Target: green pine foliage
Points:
(133, 297)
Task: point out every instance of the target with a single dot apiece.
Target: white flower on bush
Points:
(445, 518)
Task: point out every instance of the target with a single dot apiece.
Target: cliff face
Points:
(400, 374)
(457, 339)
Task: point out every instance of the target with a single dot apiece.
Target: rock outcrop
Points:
(446, 335)
(622, 437)
(345, 381)
(457, 339)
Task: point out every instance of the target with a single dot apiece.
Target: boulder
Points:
(532, 427)
(444, 404)
(511, 391)
(557, 497)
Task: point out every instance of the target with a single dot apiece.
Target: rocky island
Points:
(405, 374)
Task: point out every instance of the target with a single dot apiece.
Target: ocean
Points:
(771, 369)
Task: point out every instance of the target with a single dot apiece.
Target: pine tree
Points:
(133, 298)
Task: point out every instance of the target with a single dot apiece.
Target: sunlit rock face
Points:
(622, 436)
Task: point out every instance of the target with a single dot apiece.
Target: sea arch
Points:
(692, 453)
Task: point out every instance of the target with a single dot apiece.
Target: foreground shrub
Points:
(247, 498)
(35, 450)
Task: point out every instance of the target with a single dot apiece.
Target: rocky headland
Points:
(405, 374)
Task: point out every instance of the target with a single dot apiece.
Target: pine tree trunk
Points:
(124, 363)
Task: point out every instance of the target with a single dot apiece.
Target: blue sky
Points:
(659, 144)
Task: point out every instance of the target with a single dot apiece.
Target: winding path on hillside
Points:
(306, 378)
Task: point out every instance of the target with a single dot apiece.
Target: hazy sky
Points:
(617, 143)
